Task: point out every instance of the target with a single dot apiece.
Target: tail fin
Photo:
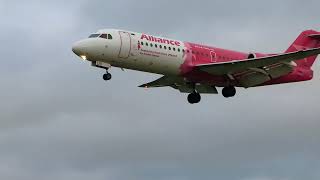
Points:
(306, 40)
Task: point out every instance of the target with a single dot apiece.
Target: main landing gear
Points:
(228, 92)
(107, 76)
(194, 98)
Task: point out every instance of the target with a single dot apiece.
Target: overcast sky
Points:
(60, 120)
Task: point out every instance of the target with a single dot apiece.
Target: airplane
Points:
(198, 69)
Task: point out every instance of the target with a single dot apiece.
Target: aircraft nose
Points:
(77, 48)
(86, 49)
(80, 48)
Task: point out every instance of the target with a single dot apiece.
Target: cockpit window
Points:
(106, 36)
(94, 35)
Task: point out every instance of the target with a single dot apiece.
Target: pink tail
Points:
(307, 40)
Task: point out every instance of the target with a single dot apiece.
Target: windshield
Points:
(94, 35)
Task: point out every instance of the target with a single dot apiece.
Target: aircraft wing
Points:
(226, 68)
(180, 84)
(162, 82)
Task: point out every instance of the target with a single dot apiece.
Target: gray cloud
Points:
(59, 120)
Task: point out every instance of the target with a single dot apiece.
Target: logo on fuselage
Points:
(160, 40)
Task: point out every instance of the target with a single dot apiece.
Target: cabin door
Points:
(125, 47)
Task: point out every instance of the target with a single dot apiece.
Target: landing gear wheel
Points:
(107, 77)
(228, 92)
(194, 98)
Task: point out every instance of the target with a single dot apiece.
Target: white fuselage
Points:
(134, 51)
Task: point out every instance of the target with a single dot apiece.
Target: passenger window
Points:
(160, 46)
(178, 49)
(170, 48)
(174, 49)
(141, 43)
(156, 46)
(151, 45)
(109, 36)
(165, 47)
(183, 50)
(147, 44)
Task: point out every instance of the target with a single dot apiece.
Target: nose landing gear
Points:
(107, 76)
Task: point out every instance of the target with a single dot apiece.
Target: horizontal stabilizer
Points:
(315, 36)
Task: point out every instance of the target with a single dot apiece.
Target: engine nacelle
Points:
(256, 55)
